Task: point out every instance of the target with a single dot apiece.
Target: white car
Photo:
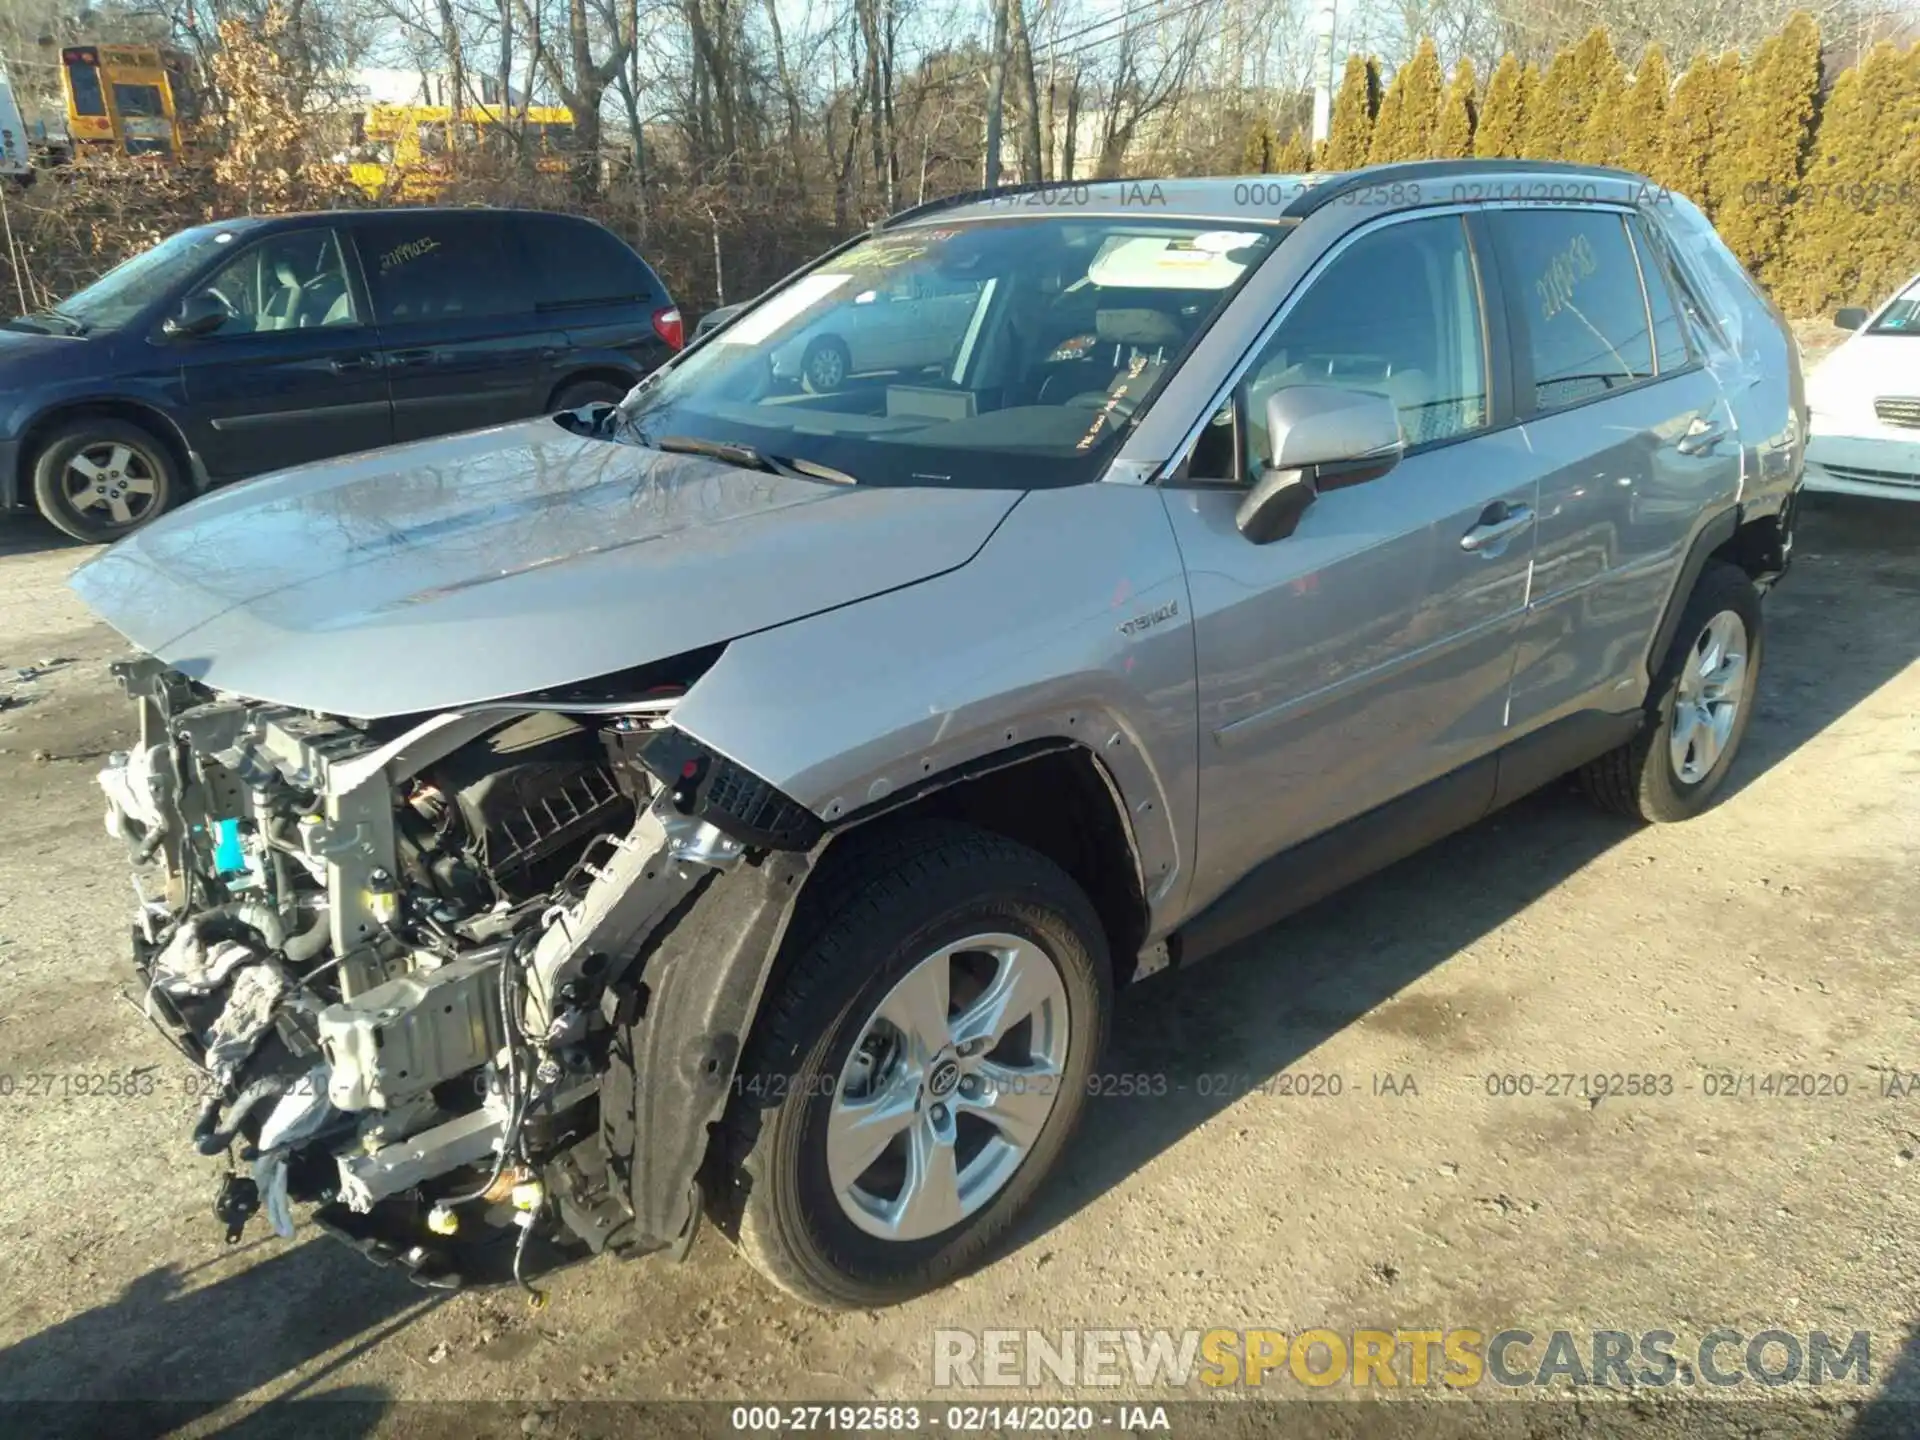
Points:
(902, 327)
(1865, 399)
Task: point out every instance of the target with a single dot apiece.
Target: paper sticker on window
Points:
(1225, 242)
(1151, 262)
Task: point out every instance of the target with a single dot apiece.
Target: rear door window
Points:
(573, 264)
(1588, 330)
(424, 265)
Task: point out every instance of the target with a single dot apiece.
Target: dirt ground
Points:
(1779, 933)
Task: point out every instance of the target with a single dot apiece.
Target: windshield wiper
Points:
(748, 458)
(744, 456)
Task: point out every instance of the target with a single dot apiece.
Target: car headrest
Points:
(1137, 327)
(284, 272)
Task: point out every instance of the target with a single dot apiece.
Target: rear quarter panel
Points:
(1755, 358)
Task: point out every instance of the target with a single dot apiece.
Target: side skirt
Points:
(1316, 868)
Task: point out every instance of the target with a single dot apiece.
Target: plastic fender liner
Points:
(706, 785)
(1710, 537)
(670, 1072)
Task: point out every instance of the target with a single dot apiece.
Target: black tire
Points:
(587, 392)
(100, 441)
(1639, 779)
(825, 365)
(866, 922)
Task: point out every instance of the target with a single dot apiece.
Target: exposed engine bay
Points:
(409, 955)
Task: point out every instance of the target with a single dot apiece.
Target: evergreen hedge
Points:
(1813, 179)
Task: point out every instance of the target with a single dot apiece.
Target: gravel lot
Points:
(1778, 933)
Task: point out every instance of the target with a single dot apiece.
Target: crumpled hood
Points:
(507, 560)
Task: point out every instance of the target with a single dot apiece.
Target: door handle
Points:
(1497, 522)
(352, 364)
(408, 359)
(1702, 435)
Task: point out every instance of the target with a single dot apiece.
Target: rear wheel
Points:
(1702, 701)
(99, 478)
(919, 1071)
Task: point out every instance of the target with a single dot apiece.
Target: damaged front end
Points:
(493, 966)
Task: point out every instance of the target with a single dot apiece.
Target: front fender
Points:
(151, 405)
(1071, 624)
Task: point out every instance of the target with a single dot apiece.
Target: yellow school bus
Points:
(405, 151)
(130, 100)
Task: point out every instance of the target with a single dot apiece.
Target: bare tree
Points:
(577, 77)
(996, 93)
(1148, 72)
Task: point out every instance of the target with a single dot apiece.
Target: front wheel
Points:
(920, 1069)
(99, 478)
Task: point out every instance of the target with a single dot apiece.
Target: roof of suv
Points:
(1286, 198)
(349, 216)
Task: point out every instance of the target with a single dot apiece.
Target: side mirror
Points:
(200, 314)
(1323, 438)
(1852, 317)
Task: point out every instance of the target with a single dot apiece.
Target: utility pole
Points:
(1323, 72)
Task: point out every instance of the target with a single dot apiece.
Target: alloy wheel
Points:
(1707, 702)
(953, 1079)
(826, 371)
(113, 477)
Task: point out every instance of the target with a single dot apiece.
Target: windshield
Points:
(121, 294)
(998, 353)
(1902, 317)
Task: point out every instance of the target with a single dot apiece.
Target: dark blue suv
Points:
(251, 345)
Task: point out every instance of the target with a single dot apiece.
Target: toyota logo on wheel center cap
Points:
(943, 1078)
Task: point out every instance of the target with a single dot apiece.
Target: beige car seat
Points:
(282, 308)
(1143, 342)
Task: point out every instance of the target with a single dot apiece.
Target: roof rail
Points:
(1313, 197)
(996, 192)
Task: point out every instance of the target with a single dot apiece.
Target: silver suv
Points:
(745, 800)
